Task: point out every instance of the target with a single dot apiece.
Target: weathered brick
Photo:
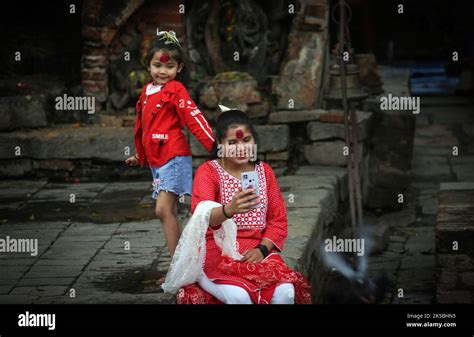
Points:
(453, 297)
(448, 280)
(467, 279)
(456, 262)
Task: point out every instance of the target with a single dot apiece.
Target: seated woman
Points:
(261, 276)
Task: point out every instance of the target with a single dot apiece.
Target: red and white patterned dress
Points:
(269, 221)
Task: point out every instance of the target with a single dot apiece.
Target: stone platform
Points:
(106, 247)
(454, 243)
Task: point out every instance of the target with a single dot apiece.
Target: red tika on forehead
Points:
(239, 134)
(164, 58)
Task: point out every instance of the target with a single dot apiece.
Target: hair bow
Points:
(168, 36)
(225, 108)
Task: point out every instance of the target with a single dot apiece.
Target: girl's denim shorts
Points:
(175, 176)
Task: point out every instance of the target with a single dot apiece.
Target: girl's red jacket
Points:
(160, 118)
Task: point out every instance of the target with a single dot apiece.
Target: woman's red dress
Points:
(269, 221)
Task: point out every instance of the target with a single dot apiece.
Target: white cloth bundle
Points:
(188, 260)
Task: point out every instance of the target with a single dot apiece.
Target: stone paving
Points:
(90, 250)
(100, 261)
(409, 259)
(85, 263)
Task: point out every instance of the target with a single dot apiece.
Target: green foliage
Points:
(232, 76)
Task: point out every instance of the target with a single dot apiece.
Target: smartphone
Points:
(250, 180)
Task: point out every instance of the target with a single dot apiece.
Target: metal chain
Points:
(350, 125)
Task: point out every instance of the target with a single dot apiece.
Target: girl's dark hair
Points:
(175, 52)
(225, 121)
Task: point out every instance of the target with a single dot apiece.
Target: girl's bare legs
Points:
(166, 210)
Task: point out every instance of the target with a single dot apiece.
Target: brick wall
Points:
(105, 37)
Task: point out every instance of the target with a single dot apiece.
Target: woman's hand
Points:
(252, 255)
(132, 161)
(241, 202)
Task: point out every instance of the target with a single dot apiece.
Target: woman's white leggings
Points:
(230, 294)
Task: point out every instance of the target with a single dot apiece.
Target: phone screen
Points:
(250, 180)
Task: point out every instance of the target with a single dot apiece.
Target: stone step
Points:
(108, 143)
(324, 130)
(26, 111)
(68, 142)
(329, 152)
(312, 198)
(295, 116)
(327, 171)
(454, 237)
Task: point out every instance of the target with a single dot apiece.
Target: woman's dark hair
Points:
(225, 121)
(175, 52)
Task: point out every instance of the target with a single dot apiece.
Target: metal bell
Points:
(355, 91)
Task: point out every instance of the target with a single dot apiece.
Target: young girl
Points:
(260, 276)
(163, 109)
